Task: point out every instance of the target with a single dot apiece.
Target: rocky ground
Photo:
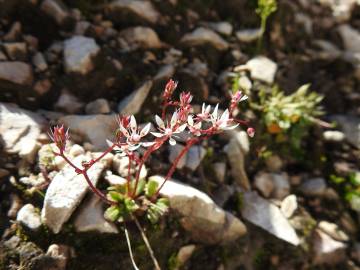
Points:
(79, 63)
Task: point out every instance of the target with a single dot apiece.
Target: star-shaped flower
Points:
(170, 129)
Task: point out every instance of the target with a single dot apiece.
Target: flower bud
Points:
(59, 136)
(169, 89)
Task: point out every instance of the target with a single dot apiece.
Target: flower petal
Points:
(174, 119)
(123, 130)
(133, 124)
(172, 141)
(157, 134)
(225, 116)
(181, 128)
(215, 112)
(145, 130)
(159, 122)
(190, 120)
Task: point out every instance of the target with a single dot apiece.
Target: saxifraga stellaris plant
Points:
(139, 197)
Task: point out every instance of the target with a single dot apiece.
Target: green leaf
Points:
(112, 213)
(151, 188)
(115, 196)
(158, 209)
(141, 186)
(130, 205)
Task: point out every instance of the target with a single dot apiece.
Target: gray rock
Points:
(141, 37)
(60, 255)
(56, 10)
(76, 150)
(194, 157)
(66, 192)
(222, 194)
(184, 254)
(350, 125)
(19, 130)
(94, 128)
(91, 217)
(264, 183)
(98, 106)
(289, 206)
(245, 83)
(262, 68)
(248, 35)
(223, 28)
(165, 73)
(274, 163)
(114, 179)
(341, 9)
(350, 37)
(120, 166)
(174, 151)
(132, 104)
(327, 250)
(29, 217)
(333, 136)
(144, 10)
(220, 171)
(16, 50)
(202, 36)
(16, 72)
(305, 21)
(328, 50)
(39, 61)
(81, 27)
(14, 33)
(269, 217)
(78, 54)
(333, 231)
(68, 103)
(281, 186)
(314, 187)
(15, 203)
(206, 222)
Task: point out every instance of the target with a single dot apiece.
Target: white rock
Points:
(289, 206)
(327, 250)
(60, 254)
(32, 180)
(223, 28)
(66, 192)
(351, 127)
(39, 61)
(350, 37)
(314, 187)
(202, 36)
(328, 50)
(19, 130)
(269, 217)
(16, 50)
(91, 217)
(132, 103)
(333, 136)
(333, 231)
(68, 103)
(184, 255)
(248, 35)
(245, 83)
(264, 183)
(141, 37)
(78, 54)
(95, 128)
(56, 9)
(194, 157)
(165, 73)
(29, 217)
(76, 150)
(262, 68)
(174, 151)
(142, 9)
(220, 171)
(281, 185)
(16, 72)
(114, 179)
(120, 166)
(341, 8)
(98, 106)
(206, 222)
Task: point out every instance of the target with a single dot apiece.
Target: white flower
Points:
(170, 129)
(222, 122)
(205, 112)
(195, 129)
(134, 135)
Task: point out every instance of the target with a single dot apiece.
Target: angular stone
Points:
(313, 187)
(206, 221)
(19, 130)
(262, 68)
(333, 230)
(248, 35)
(66, 192)
(91, 217)
(98, 106)
(95, 128)
(351, 128)
(224, 28)
(269, 217)
(220, 171)
(264, 183)
(39, 61)
(68, 103)
(132, 104)
(289, 206)
(78, 54)
(202, 36)
(281, 185)
(141, 37)
(350, 37)
(16, 50)
(174, 151)
(56, 10)
(16, 72)
(144, 10)
(194, 157)
(29, 217)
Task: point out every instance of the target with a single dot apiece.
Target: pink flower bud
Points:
(251, 132)
(169, 89)
(59, 136)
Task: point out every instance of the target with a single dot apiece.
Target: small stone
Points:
(350, 37)
(98, 106)
(105, 160)
(141, 37)
(274, 163)
(16, 72)
(91, 217)
(15, 205)
(16, 50)
(42, 87)
(222, 194)
(248, 35)
(245, 83)
(174, 151)
(281, 186)
(262, 68)
(76, 150)
(131, 104)
(68, 103)
(3, 172)
(56, 10)
(14, 33)
(78, 54)
(264, 183)
(313, 187)
(194, 157)
(114, 179)
(289, 206)
(269, 217)
(143, 10)
(81, 27)
(206, 221)
(120, 166)
(184, 255)
(60, 254)
(333, 136)
(333, 230)
(66, 192)
(165, 73)
(220, 171)
(223, 28)
(327, 250)
(32, 180)
(202, 36)
(39, 61)
(29, 217)
(350, 125)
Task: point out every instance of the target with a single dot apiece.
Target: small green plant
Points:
(350, 188)
(264, 10)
